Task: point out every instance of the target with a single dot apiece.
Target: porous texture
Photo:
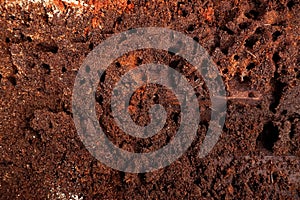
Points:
(255, 45)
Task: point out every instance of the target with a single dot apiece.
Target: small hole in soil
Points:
(7, 40)
(290, 4)
(118, 65)
(15, 70)
(196, 78)
(176, 117)
(175, 64)
(258, 106)
(225, 71)
(275, 35)
(219, 63)
(99, 99)
(29, 39)
(251, 95)
(224, 51)
(196, 39)
(31, 64)
(225, 28)
(268, 136)
(46, 67)
(236, 57)
(244, 25)
(191, 28)
(250, 42)
(246, 79)
(277, 93)
(292, 132)
(0, 77)
(50, 125)
(284, 112)
(276, 58)
(119, 20)
(74, 180)
(45, 47)
(12, 80)
(63, 69)
(139, 61)
(252, 14)
(155, 98)
(12, 17)
(259, 31)
(251, 66)
(91, 46)
(284, 72)
(298, 75)
(185, 13)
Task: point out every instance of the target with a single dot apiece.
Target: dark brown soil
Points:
(255, 45)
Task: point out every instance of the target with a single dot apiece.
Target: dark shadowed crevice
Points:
(268, 136)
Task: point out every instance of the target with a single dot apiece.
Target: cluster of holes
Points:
(268, 136)
(22, 38)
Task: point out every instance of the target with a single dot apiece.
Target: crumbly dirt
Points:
(255, 45)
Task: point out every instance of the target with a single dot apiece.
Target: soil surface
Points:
(255, 45)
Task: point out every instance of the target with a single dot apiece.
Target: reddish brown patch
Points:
(60, 5)
(95, 22)
(208, 14)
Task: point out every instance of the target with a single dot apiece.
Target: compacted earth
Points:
(255, 45)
